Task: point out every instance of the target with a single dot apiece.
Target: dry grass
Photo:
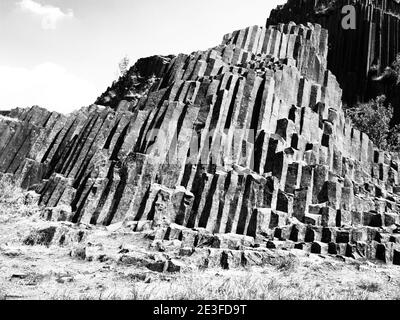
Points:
(331, 280)
(248, 286)
(240, 285)
(13, 203)
(40, 272)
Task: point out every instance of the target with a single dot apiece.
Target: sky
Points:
(62, 54)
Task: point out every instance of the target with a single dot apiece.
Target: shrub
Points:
(369, 286)
(287, 263)
(14, 202)
(396, 67)
(373, 118)
(10, 193)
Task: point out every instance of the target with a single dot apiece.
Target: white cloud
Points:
(50, 15)
(47, 85)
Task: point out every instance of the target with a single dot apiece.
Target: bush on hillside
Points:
(396, 67)
(373, 118)
(14, 202)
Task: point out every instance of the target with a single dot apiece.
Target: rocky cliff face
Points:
(248, 137)
(357, 57)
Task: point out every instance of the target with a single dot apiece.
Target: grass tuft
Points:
(369, 286)
(287, 263)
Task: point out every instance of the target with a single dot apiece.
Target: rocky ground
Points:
(58, 260)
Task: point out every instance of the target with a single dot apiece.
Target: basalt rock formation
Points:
(360, 58)
(248, 137)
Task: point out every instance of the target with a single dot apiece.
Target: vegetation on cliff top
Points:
(373, 118)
